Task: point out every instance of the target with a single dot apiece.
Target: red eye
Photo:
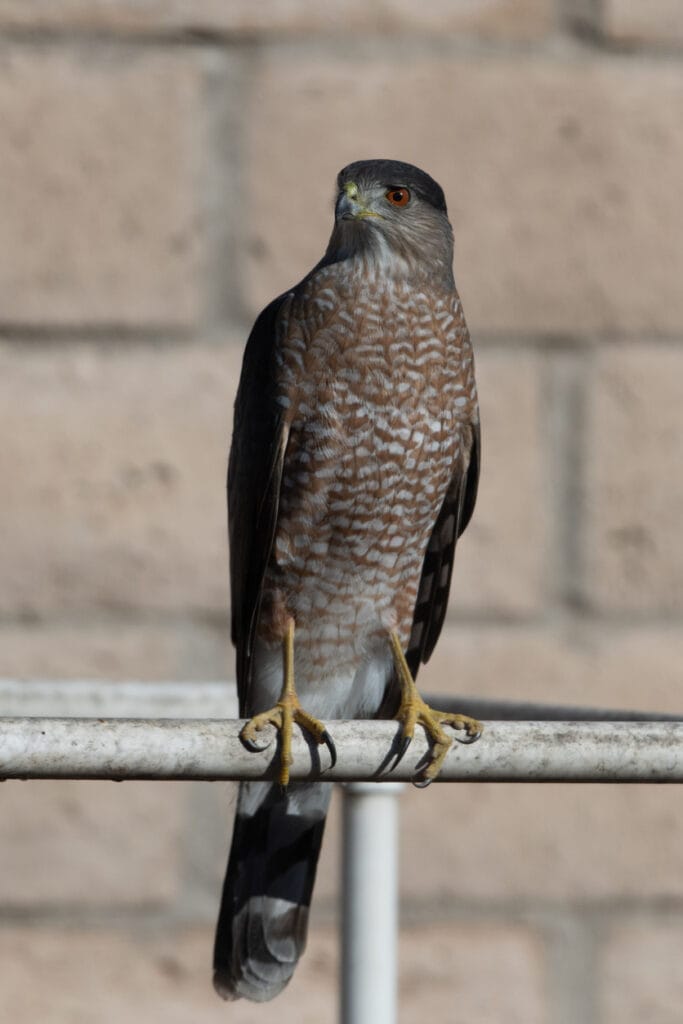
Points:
(398, 196)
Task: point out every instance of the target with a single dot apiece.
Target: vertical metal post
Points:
(369, 903)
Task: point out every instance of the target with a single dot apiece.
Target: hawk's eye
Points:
(398, 196)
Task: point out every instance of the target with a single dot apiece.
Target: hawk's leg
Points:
(285, 713)
(413, 711)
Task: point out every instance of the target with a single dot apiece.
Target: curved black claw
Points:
(329, 743)
(422, 783)
(401, 752)
(255, 748)
(469, 737)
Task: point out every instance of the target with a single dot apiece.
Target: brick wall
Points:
(166, 167)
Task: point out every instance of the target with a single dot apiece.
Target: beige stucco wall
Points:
(165, 169)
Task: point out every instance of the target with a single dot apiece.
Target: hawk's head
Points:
(392, 213)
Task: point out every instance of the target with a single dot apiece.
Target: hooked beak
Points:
(350, 205)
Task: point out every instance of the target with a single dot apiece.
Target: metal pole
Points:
(126, 698)
(77, 748)
(369, 903)
(533, 711)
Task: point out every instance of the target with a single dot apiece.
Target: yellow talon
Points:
(287, 711)
(413, 711)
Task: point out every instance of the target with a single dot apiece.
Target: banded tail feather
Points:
(263, 918)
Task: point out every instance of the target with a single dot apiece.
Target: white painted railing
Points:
(110, 748)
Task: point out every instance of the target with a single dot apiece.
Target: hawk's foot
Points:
(413, 710)
(283, 715)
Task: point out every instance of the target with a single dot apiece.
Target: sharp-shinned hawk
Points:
(353, 470)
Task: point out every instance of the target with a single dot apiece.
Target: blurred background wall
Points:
(165, 169)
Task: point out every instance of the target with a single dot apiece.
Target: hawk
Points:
(353, 470)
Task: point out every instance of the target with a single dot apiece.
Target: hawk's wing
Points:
(437, 568)
(254, 476)
(262, 924)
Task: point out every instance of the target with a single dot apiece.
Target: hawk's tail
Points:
(262, 924)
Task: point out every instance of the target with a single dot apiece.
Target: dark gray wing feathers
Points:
(254, 476)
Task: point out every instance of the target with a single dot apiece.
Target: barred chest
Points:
(378, 383)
